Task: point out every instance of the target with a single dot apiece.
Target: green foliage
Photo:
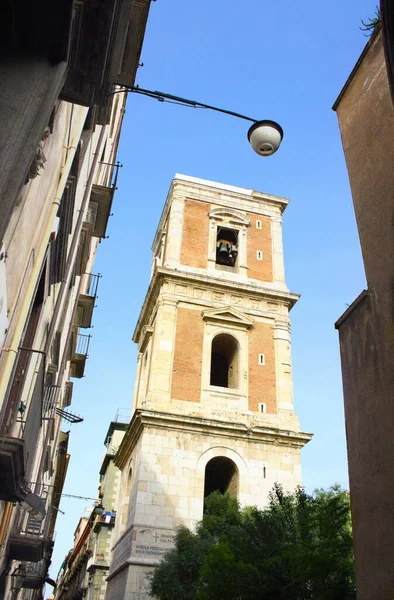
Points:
(298, 548)
(177, 575)
(221, 512)
(369, 26)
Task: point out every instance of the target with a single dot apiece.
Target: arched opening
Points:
(221, 474)
(226, 247)
(128, 483)
(224, 361)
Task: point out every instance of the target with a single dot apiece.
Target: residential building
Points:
(366, 118)
(213, 403)
(61, 124)
(85, 569)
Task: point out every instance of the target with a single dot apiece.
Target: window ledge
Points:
(222, 391)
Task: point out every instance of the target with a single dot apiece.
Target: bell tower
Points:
(213, 402)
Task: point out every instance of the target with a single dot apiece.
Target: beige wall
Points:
(366, 120)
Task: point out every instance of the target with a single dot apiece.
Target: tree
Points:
(177, 576)
(298, 548)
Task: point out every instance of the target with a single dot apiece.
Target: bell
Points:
(223, 248)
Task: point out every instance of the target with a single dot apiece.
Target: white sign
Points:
(151, 543)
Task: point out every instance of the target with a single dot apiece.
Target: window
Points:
(258, 224)
(226, 247)
(224, 361)
(262, 407)
(259, 255)
(261, 359)
(221, 474)
(264, 472)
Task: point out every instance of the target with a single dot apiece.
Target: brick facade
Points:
(262, 378)
(186, 375)
(195, 234)
(259, 240)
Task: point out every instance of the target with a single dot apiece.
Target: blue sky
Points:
(285, 61)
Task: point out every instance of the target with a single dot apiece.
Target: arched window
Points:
(221, 474)
(224, 361)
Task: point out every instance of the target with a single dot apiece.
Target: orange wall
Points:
(259, 239)
(186, 377)
(195, 234)
(262, 382)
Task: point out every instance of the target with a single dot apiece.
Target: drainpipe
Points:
(12, 349)
(4, 521)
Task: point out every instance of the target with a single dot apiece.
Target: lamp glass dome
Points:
(265, 137)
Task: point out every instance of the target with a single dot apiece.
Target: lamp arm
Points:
(161, 97)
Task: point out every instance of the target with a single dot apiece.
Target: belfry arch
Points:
(221, 474)
(224, 361)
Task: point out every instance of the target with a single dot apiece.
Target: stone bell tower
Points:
(213, 405)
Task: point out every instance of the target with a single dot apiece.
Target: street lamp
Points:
(264, 136)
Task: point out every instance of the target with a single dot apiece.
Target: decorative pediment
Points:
(228, 314)
(230, 215)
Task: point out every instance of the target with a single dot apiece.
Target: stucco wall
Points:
(366, 120)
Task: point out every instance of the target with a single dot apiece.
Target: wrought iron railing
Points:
(93, 284)
(50, 400)
(123, 415)
(82, 345)
(35, 525)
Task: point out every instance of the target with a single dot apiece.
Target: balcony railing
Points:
(99, 209)
(82, 347)
(123, 415)
(93, 284)
(79, 354)
(30, 543)
(50, 401)
(86, 302)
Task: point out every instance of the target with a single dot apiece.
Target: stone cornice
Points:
(201, 189)
(162, 274)
(199, 425)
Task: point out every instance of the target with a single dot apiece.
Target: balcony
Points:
(26, 547)
(107, 519)
(86, 303)
(98, 560)
(104, 50)
(79, 354)
(32, 543)
(99, 209)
